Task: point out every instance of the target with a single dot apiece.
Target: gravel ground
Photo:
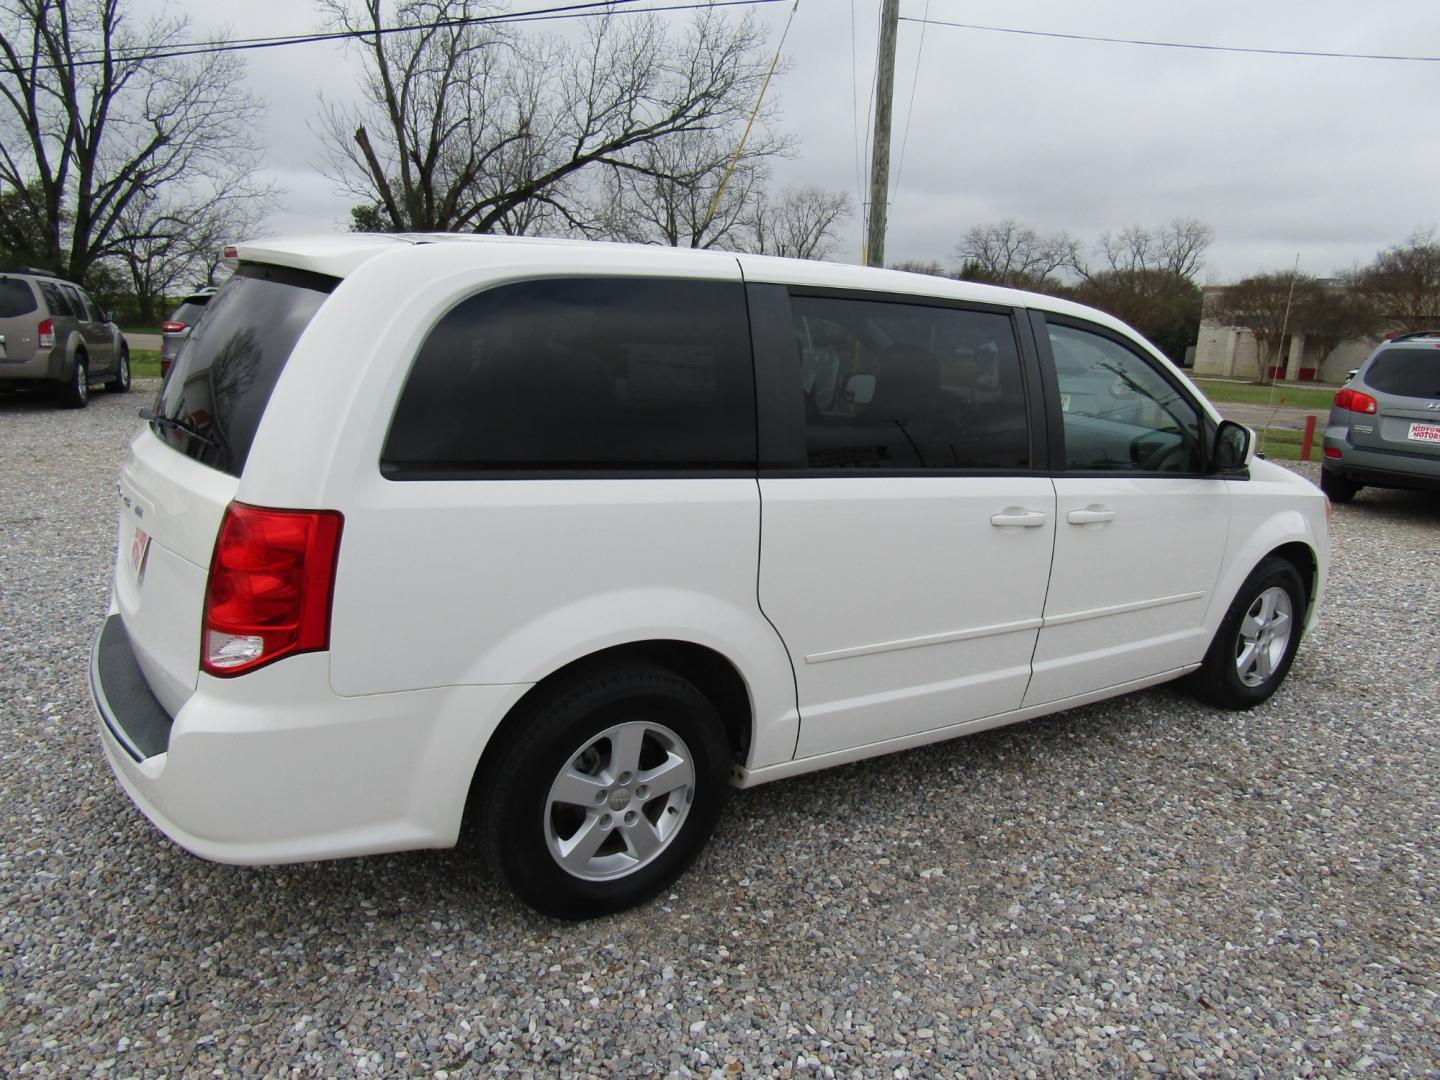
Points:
(1145, 885)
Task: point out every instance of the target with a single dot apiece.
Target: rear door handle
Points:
(1018, 515)
(1090, 515)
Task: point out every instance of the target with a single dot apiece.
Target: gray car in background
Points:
(1384, 428)
(175, 331)
(53, 334)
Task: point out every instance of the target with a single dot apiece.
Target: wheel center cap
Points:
(619, 799)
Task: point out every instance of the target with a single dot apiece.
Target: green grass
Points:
(144, 364)
(1283, 444)
(139, 329)
(1288, 394)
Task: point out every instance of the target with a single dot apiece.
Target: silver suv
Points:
(52, 333)
(1384, 428)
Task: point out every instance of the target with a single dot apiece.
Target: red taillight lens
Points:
(170, 326)
(47, 334)
(1331, 452)
(272, 578)
(1356, 401)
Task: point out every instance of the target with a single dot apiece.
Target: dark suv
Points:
(52, 333)
(1384, 428)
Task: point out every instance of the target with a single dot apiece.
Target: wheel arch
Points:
(712, 673)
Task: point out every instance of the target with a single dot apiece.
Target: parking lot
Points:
(1143, 885)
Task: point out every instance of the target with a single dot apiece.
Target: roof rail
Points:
(1415, 334)
(33, 271)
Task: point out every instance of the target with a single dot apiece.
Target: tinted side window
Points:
(904, 386)
(77, 305)
(222, 380)
(92, 310)
(1412, 372)
(57, 301)
(580, 374)
(1120, 413)
(15, 298)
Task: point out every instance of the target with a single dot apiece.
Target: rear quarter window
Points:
(16, 298)
(224, 377)
(580, 374)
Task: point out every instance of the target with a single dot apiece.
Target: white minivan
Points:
(571, 537)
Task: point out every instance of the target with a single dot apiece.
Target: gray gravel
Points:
(1146, 885)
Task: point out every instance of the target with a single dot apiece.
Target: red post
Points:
(1309, 438)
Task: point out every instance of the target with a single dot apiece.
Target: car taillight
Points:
(47, 334)
(170, 326)
(1355, 401)
(272, 578)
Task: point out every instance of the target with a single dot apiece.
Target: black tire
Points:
(562, 734)
(121, 382)
(1228, 677)
(74, 393)
(1337, 487)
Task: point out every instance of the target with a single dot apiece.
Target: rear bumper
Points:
(1382, 468)
(44, 365)
(273, 767)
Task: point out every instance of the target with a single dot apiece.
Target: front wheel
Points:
(605, 790)
(1255, 645)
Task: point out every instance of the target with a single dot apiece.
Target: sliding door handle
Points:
(1090, 515)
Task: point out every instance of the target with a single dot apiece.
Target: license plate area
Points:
(1426, 433)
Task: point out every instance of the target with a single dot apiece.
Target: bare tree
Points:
(1008, 253)
(98, 118)
(685, 193)
(1268, 305)
(1330, 314)
(469, 126)
(165, 245)
(1175, 248)
(1402, 285)
(800, 224)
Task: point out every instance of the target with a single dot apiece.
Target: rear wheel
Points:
(1255, 645)
(75, 391)
(604, 792)
(1337, 487)
(121, 382)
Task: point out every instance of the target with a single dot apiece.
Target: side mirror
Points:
(1234, 447)
(860, 389)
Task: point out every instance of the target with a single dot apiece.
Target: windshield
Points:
(223, 379)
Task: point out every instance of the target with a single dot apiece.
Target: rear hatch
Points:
(185, 464)
(19, 316)
(1405, 382)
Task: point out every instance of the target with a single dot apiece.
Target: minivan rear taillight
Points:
(170, 326)
(272, 578)
(47, 333)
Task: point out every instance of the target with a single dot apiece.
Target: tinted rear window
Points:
(580, 374)
(15, 298)
(1414, 372)
(188, 313)
(223, 379)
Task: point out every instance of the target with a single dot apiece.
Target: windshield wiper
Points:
(176, 424)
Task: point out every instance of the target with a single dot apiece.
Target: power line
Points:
(910, 112)
(568, 11)
(1175, 44)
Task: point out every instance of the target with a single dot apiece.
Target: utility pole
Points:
(880, 152)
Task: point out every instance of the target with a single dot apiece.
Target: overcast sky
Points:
(1327, 159)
